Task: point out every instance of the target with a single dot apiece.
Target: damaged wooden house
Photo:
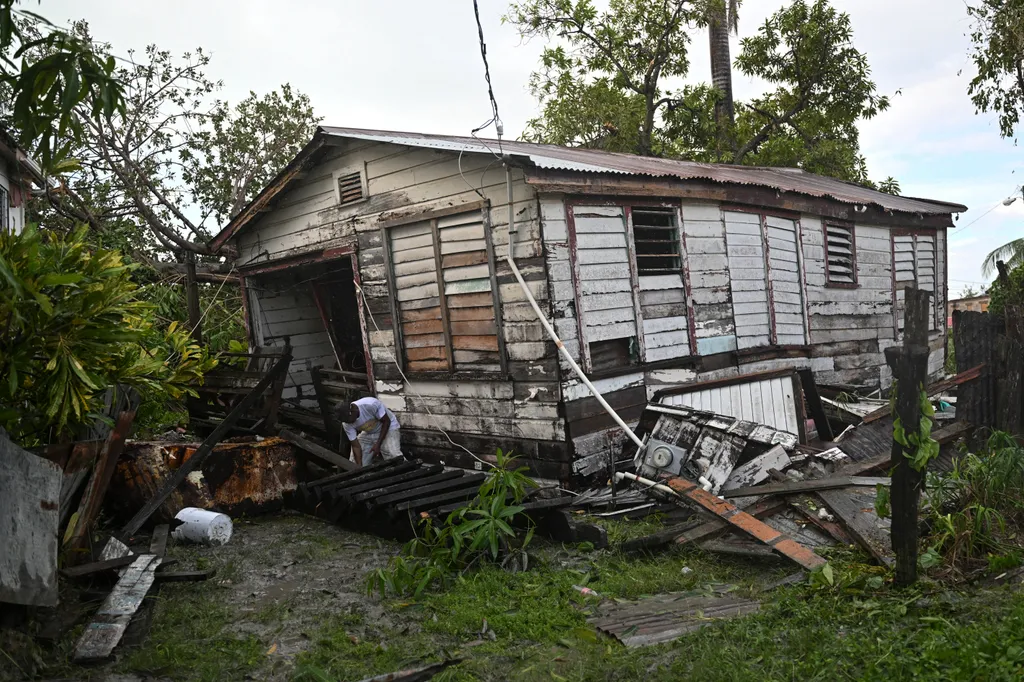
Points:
(381, 258)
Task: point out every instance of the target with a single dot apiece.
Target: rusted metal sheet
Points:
(666, 617)
(29, 495)
(238, 478)
(596, 161)
(108, 625)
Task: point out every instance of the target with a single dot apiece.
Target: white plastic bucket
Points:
(200, 525)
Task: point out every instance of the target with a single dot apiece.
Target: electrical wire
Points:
(495, 117)
(960, 230)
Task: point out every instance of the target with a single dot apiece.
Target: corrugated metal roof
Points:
(554, 157)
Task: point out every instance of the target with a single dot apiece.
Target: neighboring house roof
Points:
(970, 299)
(576, 159)
(10, 150)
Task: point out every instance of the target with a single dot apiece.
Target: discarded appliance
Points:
(202, 526)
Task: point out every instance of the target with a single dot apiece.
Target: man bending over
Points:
(372, 429)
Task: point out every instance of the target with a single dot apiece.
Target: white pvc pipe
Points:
(620, 475)
(551, 330)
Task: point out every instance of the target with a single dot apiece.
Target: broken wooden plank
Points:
(77, 535)
(756, 470)
(666, 617)
(854, 507)
(811, 485)
(97, 567)
(108, 625)
(422, 674)
(817, 410)
(204, 450)
(318, 451)
(183, 576)
(738, 519)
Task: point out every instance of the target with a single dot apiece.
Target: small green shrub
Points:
(971, 509)
(479, 532)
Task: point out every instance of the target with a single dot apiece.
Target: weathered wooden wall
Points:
(282, 305)
(520, 411)
(775, 311)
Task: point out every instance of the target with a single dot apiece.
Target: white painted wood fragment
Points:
(756, 470)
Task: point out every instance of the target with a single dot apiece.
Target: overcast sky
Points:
(415, 65)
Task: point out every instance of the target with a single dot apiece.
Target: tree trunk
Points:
(195, 319)
(721, 79)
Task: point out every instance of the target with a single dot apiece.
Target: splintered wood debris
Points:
(697, 459)
(666, 617)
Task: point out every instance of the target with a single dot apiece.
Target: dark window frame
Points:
(938, 243)
(627, 204)
(844, 225)
(432, 216)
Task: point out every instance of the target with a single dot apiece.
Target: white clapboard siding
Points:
(605, 284)
(745, 246)
(785, 280)
(771, 402)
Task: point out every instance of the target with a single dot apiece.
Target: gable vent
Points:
(350, 188)
(841, 254)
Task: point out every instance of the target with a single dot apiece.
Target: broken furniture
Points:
(389, 498)
(223, 387)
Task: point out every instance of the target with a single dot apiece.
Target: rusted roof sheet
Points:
(553, 157)
(575, 159)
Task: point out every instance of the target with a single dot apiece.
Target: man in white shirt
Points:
(372, 429)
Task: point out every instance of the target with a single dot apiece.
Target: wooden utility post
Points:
(195, 320)
(909, 365)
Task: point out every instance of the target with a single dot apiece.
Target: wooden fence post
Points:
(909, 365)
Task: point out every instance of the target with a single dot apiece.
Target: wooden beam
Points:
(320, 452)
(92, 498)
(108, 625)
(811, 485)
(738, 520)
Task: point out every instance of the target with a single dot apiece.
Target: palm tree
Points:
(722, 18)
(1011, 253)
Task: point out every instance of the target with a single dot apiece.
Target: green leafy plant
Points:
(71, 326)
(918, 445)
(481, 531)
(972, 508)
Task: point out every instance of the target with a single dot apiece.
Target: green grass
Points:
(802, 633)
(191, 638)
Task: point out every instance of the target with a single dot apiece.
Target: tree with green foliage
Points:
(176, 162)
(997, 50)
(55, 83)
(606, 82)
(71, 326)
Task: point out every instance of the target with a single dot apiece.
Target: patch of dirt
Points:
(283, 575)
